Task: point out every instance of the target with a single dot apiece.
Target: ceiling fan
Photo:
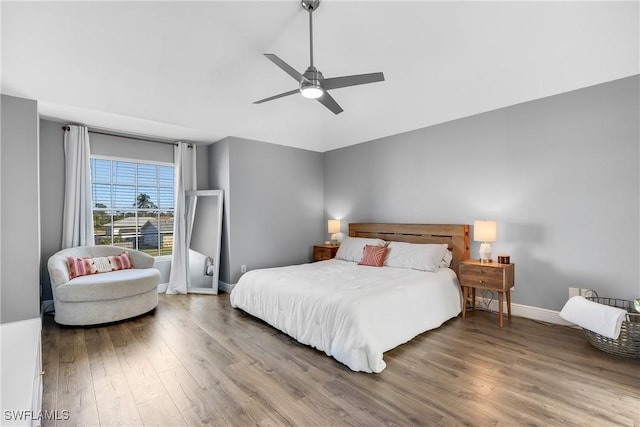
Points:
(312, 83)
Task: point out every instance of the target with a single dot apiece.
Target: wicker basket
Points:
(628, 343)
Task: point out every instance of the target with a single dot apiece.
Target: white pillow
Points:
(352, 248)
(446, 260)
(416, 256)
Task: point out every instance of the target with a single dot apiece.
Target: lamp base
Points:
(485, 253)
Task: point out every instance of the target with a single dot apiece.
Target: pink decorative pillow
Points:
(373, 256)
(120, 262)
(85, 266)
(80, 267)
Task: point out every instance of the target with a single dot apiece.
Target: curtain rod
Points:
(139, 138)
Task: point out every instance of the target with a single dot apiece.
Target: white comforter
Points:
(353, 313)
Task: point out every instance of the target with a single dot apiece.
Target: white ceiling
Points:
(191, 70)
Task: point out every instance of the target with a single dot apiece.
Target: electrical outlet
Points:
(585, 292)
(243, 268)
(574, 292)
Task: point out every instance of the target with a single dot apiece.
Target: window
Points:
(133, 205)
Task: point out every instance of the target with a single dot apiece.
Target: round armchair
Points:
(105, 297)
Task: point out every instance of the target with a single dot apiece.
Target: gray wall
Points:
(20, 210)
(273, 198)
(560, 175)
(52, 183)
(51, 196)
(219, 179)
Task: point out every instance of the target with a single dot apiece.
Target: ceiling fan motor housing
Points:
(313, 79)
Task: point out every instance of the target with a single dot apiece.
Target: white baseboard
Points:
(47, 306)
(222, 286)
(225, 287)
(526, 311)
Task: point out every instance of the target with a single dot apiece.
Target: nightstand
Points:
(324, 252)
(492, 276)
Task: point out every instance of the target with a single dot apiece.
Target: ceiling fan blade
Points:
(281, 95)
(330, 103)
(286, 67)
(359, 79)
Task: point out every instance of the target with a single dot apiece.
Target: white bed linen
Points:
(351, 312)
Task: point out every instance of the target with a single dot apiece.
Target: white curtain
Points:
(77, 219)
(185, 180)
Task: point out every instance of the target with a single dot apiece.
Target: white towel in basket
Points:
(602, 319)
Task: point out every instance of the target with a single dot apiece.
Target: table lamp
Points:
(333, 229)
(485, 232)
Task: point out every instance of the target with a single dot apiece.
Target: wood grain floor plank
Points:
(158, 352)
(103, 359)
(190, 398)
(311, 366)
(197, 379)
(285, 402)
(75, 384)
(143, 381)
(50, 362)
(428, 397)
(116, 406)
(570, 392)
(191, 335)
(160, 411)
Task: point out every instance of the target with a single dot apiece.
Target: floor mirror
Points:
(204, 232)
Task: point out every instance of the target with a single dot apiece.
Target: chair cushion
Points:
(109, 286)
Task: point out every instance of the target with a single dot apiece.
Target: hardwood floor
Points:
(197, 361)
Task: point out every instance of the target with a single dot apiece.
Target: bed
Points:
(355, 312)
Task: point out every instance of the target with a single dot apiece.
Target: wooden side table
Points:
(492, 276)
(324, 252)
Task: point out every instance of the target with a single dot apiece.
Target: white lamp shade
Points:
(484, 231)
(333, 226)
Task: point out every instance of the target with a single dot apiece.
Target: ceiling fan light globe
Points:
(311, 92)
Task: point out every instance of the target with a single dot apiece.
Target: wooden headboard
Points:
(455, 235)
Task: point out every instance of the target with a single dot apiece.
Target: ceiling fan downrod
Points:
(310, 6)
(311, 85)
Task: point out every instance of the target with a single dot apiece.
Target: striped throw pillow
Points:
(373, 256)
(120, 262)
(80, 266)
